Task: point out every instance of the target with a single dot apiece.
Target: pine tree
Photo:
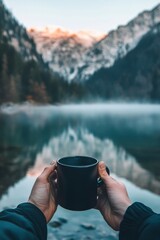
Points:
(4, 80)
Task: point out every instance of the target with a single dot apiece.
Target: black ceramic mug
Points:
(77, 182)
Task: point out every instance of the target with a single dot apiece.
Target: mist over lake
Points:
(125, 136)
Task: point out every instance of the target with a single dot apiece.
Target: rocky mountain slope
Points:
(118, 43)
(77, 61)
(64, 51)
(136, 76)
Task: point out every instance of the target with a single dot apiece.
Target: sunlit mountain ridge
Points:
(85, 37)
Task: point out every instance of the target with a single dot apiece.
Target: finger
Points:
(52, 176)
(103, 173)
(47, 171)
(102, 170)
(53, 162)
(54, 189)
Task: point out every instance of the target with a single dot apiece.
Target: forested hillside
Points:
(134, 77)
(23, 74)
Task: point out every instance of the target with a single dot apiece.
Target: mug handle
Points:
(100, 181)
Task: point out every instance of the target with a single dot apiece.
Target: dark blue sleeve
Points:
(140, 223)
(26, 222)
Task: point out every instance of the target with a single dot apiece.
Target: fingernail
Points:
(53, 162)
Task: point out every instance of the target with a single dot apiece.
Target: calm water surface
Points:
(125, 136)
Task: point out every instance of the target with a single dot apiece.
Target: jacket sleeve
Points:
(140, 223)
(25, 222)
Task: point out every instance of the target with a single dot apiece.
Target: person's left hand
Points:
(43, 194)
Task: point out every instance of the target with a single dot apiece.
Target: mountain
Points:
(64, 51)
(76, 61)
(118, 43)
(136, 76)
(122, 65)
(24, 76)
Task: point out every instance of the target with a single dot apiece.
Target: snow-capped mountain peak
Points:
(87, 38)
(63, 50)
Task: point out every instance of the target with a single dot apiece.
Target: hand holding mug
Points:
(43, 194)
(113, 198)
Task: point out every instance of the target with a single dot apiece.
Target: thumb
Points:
(102, 171)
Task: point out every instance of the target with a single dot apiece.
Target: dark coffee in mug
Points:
(77, 182)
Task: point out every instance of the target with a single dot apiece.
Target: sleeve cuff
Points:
(133, 218)
(35, 215)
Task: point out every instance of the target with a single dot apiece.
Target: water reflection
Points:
(14, 163)
(81, 142)
(127, 137)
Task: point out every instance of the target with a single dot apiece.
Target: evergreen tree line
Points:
(29, 81)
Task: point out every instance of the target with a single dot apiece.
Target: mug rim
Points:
(75, 166)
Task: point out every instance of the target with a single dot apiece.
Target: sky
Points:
(99, 16)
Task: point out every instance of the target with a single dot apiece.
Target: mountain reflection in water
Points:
(126, 137)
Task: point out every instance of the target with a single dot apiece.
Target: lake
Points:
(125, 136)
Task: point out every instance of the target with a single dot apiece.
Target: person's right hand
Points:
(113, 198)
